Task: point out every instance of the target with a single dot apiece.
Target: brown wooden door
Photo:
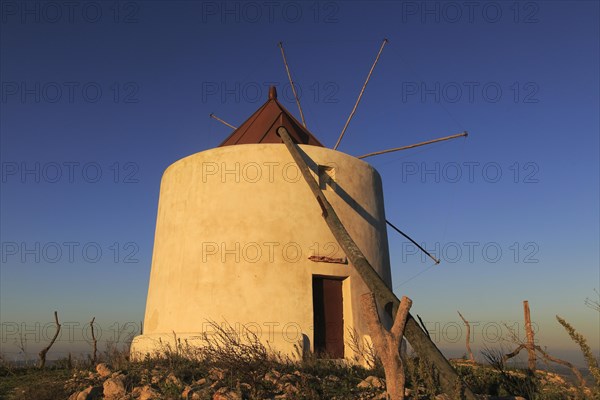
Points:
(328, 317)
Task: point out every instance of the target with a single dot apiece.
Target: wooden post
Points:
(387, 343)
(468, 337)
(94, 342)
(530, 338)
(413, 332)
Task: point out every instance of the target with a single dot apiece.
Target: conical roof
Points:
(262, 125)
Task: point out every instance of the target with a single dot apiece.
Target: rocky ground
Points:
(218, 384)
(176, 378)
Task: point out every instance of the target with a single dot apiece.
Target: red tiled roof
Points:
(262, 125)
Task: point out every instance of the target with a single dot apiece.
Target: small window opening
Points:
(326, 177)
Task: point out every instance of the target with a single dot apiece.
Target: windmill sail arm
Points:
(412, 146)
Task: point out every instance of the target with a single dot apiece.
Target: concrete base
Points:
(285, 344)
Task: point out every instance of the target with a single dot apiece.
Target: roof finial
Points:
(272, 93)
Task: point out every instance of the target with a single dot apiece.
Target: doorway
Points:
(328, 314)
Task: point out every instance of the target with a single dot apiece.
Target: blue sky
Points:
(99, 98)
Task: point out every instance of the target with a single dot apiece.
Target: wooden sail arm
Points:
(289, 74)
(213, 116)
(360, 95)
(412, 146)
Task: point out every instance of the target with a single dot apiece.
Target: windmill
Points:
(273, 229)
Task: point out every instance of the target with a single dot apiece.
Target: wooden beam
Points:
(384, 294)
(287, 69)
(412, 146)
(530, 337)
(213, 116)
(360, 95)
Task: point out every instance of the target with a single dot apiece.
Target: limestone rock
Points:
(114, 388)
(196, 391)
(226, 394)
(156, 376)
(172, 379)
(145, 393)
(186, 392)
(90, 393)
(200, 382)
(103, 370)
(290, 390)
(372, 382)
(272, 376)
(216, 374)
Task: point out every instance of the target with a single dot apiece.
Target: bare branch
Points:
(22, 343)
(371, 315)
(565, 363)
(397, 330)
(387, 343)
(513, 353)
(94, 342)
(468, 344)
(45, 351)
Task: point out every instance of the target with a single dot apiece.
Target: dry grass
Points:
(239, 362)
